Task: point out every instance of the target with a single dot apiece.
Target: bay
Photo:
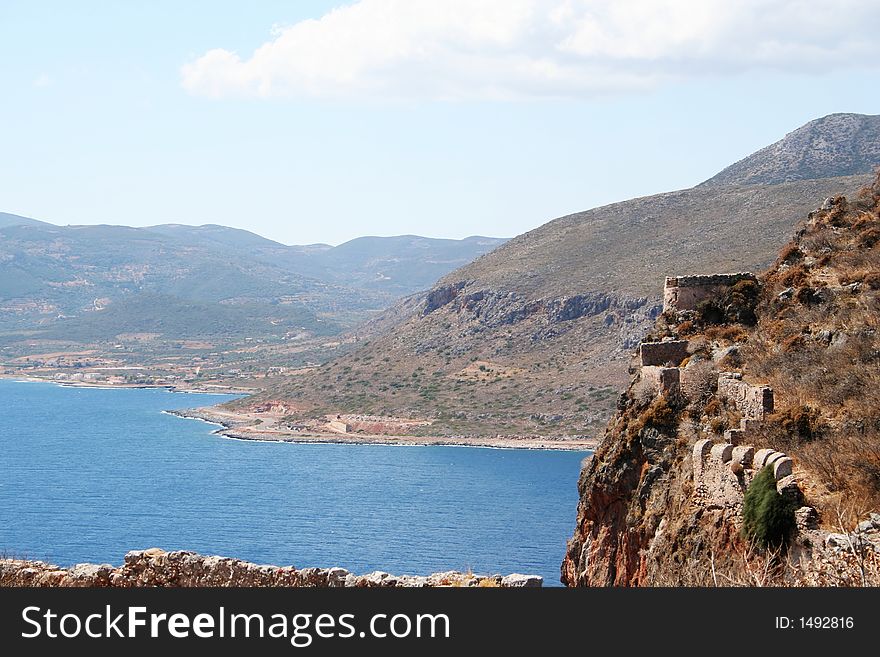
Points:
(89, 474)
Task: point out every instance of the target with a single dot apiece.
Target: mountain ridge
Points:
(51, 274)
(840, 144)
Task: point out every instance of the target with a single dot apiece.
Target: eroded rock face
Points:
(156, 567)
(439, 297)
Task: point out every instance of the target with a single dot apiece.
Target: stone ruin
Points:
(661, 367)
(660, 363)
(686, 292)
(668, 352)
(723, 470)
(753, 402)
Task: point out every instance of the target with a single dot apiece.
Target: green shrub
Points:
(768, 519)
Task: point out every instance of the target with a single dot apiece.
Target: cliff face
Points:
(155, 567)
(739, 374)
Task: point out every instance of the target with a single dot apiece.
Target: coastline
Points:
(258, 427)
(249, 427)
(211, 389)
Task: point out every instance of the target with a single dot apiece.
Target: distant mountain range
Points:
(551, 316)
(89, 282)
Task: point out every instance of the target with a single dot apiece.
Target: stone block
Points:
(702, 448)
(722, 452)
(806, 518)
(744, 455)
(664, 379)
(734, 436)
(669, 352)
(782, 467)
(761, 458)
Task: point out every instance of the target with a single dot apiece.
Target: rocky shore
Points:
(246, 425)
(158, 568)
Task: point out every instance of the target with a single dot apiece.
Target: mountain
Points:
(7, 219)
(535, 336)
(835, 145)
(210, 281)
(401, 265)
(760, 436)
(224, 236)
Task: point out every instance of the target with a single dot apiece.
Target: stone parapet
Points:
(687, 292)
(158, 568)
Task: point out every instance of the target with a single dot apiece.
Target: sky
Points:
(320, 121)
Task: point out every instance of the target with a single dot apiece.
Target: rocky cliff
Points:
(741, 374)
(155, 567)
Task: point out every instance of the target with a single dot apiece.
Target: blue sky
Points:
(439, 118)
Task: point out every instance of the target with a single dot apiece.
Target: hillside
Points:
(834, 145)
(534, 338)
(7, 219)
(743, 381)
(85, 282)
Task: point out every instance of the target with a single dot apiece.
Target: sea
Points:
(87, 474)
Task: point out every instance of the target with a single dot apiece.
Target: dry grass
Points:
(820, 350)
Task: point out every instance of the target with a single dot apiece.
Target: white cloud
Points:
(481, 49)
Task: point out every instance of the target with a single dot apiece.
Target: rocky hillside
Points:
(533, 338)
(774, 377)
(838, 144)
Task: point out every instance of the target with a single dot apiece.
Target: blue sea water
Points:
(88, 474)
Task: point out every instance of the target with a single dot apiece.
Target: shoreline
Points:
(238, 426)
(170, 387)
(241, 426)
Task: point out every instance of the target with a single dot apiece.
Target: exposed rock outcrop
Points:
(496, 308)
(155, 567)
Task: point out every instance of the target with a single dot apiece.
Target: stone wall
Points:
(686, 292)
(338, 425)
(754, 402)
(723, 472)
(155, 567)
(660, 367)
(669, 352)
(664, 380)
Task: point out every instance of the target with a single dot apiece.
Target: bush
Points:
(710, 312)
(799, 423)
(741, 300)
(768, 519)
(659, 415)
